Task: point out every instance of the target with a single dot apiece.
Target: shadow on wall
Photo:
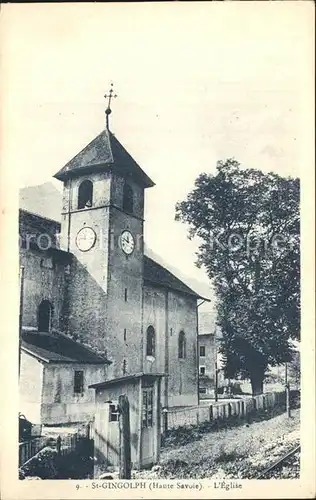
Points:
(101, 452)
(84, 312)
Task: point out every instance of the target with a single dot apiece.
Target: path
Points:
(233, 453)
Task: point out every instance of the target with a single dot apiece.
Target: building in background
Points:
(208, 356)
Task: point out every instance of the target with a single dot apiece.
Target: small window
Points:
(125, 294)
(124, 334)
(202, 370)
(113, 413)
(67, 269)
(147, 417)
(181, 345)
(202, 390)
(78, 382)
(47, 263)
(150, 349)
(85, 194)
(202, 351)
(45, 310)
(128, 198)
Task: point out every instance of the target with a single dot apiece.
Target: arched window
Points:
(181, 345)
(85, 194)
(44, 316)
(128, 198)
(150, 346)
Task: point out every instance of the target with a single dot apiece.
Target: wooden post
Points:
(21, 313)
(216, 382)
(243, 408)
(139, 432)
(287, 393)
(165, 420)
(157, 407)
(211, 412)
(58, 445)
(229, 408)
(125, 439)
(288, 406)
(166, 378)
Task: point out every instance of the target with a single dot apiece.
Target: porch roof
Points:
(58, 348)
(126, 378)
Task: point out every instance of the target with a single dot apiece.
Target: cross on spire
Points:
(108, 110)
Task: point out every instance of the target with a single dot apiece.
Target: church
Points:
(94, 305)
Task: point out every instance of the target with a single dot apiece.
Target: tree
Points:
(248, 226)
(294, 369)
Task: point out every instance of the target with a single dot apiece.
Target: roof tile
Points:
(157, 274)
(57, 347)
(103, 152)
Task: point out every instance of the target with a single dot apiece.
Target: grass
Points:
(239, 452)
(186, 434)
(229, 456)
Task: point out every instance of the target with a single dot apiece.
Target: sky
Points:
(196, 83)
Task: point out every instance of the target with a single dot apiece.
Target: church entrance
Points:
(44, 316)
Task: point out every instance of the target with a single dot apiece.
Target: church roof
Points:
(126, 378)
(58, 348)
(154, 273)
(104, 152)
(159, 275)
(33, 226)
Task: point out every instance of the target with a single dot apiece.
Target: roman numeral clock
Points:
(127, 242)
(85, 239)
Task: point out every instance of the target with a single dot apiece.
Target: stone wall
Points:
(30, 387)
(43, 282)
(124, 301)
(170, 312)
(183, 377)
(195, 415)
(59, 402)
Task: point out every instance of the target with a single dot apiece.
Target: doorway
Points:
(44, 316)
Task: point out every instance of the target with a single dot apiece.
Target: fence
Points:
(27, 449)
(67, 444)
(194, 415)
(64, 445)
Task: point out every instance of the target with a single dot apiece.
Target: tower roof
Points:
(104, 153)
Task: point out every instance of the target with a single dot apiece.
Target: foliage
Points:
(229, 456)
(251, 449)
(248, 226)
(294, 369)
(48, 464)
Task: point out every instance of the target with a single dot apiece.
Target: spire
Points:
(108, 110)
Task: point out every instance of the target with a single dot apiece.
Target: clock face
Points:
(127, 242)
(85, 239)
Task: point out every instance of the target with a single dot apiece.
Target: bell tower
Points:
(102, 226)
